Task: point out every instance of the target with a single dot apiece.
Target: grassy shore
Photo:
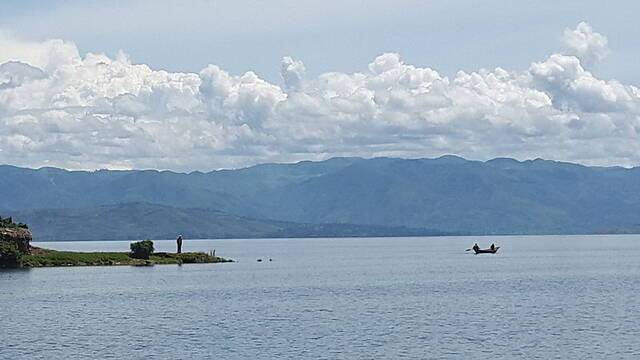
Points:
(44, 258)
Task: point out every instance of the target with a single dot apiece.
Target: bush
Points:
(10, 255)
(8, 223)
(141, 249)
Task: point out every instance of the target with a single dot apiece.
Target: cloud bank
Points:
(60, 108)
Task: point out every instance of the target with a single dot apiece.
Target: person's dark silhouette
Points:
(179, 242)
(493, 246)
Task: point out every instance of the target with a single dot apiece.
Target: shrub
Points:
(8, 223)
(10, 255)
(141, 249)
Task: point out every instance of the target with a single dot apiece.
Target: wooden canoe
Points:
(487, 251)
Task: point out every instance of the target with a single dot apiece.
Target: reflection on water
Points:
(539, 297)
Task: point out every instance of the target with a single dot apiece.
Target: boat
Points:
(487, 251)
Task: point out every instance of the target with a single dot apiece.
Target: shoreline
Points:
(41, 257)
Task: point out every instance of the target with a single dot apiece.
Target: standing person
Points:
(179, 242)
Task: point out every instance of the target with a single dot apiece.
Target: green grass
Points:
(46, 258)
(185, 258)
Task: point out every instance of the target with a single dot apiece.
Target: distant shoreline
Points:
(41, 257)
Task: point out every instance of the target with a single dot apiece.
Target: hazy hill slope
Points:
(137, 221)
(225, 190)
(500, 196)
(451, 193)
(149, 221)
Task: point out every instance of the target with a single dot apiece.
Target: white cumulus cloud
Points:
(60, 108)
(292, 73)
(586, 44)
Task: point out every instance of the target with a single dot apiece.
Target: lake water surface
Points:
(540, 297)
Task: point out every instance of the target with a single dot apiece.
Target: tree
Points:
(141, 249)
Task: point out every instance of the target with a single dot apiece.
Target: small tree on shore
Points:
(141, 249)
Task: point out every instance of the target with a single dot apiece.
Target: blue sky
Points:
(201, 85)
(341, 36)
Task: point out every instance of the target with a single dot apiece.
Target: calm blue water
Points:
(538, 298)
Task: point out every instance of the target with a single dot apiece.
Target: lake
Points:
(540, 297)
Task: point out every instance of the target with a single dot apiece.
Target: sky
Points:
(203, 85)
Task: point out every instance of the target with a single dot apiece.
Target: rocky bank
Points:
(19, 237)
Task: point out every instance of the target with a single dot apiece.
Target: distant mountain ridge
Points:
(448, 194)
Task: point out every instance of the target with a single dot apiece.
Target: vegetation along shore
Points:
(17, 252)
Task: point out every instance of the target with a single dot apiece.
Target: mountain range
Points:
(336, 197)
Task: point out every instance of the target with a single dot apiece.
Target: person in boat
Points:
(179, 243)
(493, 247)
(476, 247)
